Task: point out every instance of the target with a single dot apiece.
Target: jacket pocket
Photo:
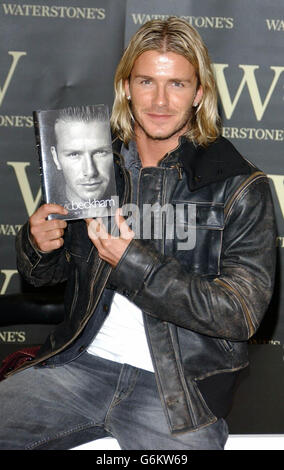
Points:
(198, 235)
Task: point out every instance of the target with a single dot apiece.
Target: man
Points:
(83, 153)
(155, 335)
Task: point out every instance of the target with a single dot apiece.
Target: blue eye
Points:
(146, 82)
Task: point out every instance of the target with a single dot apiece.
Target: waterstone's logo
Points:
(12, 336)
(216, 22)
(54, 11)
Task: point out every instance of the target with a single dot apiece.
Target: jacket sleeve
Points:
(231, 305)
(39, 268)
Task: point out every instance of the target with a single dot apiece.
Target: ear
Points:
(55, 158)
(198, 96)
(127, 88)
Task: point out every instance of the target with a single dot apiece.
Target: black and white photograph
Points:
(76, 160)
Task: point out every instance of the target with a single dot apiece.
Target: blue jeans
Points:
(87, 399)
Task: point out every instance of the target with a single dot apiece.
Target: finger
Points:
(88, 221)
(45, 210)
(47, 228)
(49, 235)
(125, 230)
(95, 223)
(92, 226)
(54, 224)
(96, 231)
(43, 231)
(47, 246)
(118, 216)
(102, 230)
(47, 240)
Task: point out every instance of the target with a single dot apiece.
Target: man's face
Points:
(84, 154)
(163, 88)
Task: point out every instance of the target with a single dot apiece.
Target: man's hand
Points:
(110, 248)
(47, 235)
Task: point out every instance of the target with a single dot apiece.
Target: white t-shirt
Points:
(122, 337)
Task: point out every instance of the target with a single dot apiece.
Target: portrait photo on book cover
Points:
(76, 160)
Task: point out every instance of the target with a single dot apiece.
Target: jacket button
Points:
(105, 307)
(81, 348)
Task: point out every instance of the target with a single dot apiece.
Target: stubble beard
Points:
(184, 125)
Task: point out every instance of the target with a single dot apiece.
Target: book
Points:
(76, 160)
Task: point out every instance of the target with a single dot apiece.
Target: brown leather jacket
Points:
(200, 305)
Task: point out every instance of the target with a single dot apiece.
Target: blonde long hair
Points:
(170, 35)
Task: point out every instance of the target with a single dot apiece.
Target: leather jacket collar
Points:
(217, 162)
(205, 165)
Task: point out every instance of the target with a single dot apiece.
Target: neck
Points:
(151, 151)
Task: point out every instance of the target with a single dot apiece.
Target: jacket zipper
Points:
(228, 286)
(237, 194)
(179, 170)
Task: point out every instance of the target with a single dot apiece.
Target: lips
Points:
(159, 116)
(89, 184)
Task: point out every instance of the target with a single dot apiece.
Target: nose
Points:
(161, 96)
(89, 168)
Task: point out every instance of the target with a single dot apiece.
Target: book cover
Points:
(76, 160)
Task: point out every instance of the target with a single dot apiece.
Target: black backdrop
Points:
(64, 52)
